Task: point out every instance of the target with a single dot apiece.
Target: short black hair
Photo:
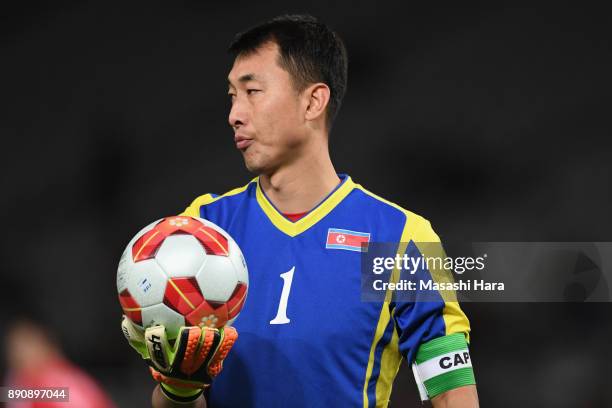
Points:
(309, 51)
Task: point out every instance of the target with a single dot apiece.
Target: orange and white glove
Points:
(187, 367)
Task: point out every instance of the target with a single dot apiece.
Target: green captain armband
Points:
(443, 364)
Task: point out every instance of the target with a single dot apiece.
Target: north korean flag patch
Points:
(349, 240)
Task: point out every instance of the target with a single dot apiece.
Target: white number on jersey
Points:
(281, 315)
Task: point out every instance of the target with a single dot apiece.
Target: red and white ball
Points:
(182, 271)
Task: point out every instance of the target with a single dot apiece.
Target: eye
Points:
(252, 91)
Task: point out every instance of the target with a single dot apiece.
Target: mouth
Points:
(242, 142)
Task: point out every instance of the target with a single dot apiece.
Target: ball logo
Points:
(458, 360)
(209, 321)
(340, 239)
(179, 222)
(144, 285)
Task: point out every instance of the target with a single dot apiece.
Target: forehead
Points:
(262, 64)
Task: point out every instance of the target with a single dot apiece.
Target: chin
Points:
(253, 166)
(254, 163)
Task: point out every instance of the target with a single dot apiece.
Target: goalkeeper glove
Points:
(185, 369)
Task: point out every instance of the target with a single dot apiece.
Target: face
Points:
(267, 112)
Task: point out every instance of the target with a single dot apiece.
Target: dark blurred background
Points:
(493, 122)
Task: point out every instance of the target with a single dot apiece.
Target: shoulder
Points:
(415, 225)
(210, 198)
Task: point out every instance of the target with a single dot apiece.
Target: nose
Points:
(238, 114)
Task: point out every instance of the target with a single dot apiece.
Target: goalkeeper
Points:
(306, 338)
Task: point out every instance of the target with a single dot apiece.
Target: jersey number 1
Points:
(281, 314)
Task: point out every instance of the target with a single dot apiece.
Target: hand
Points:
(186, 368)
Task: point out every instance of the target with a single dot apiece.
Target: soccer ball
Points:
(182, 271)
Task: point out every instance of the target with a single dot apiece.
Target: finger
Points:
(159, 348)
(190, 357)
(211, 341)
(207, 343)
(229, 335)
(130, 331)
(134, 336)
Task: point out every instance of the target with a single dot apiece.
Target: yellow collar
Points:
(315, 215)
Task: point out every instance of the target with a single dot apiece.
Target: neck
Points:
(300, 185)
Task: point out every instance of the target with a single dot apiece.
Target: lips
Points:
(242, 142)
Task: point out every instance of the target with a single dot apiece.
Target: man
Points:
(306, 338)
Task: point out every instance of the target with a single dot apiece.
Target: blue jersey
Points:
(306, 339)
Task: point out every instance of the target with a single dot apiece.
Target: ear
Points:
(317, 99)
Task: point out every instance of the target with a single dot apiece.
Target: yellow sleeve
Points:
(429, 244)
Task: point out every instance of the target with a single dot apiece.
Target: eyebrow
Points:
(244, 78)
